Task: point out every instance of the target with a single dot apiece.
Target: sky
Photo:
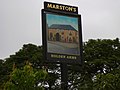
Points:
(20, 21)
(59, 19)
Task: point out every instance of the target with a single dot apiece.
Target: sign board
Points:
(62, 36)
(60, 7)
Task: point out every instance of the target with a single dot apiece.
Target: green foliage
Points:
(101, 57)
(29, 52)
(34, 55)
(107, 81)
(25, 79)
(1, 73)
(100, 70)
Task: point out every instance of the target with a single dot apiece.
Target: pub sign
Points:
(62, 34)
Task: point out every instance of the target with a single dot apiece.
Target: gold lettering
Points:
(57, 6)
(71, 57)
(66, 8)
(63, 7)
(70, 8)
(63, 56)
(60, 7)
(75, 57)
(58, 56)
(74, 9)
(53, 6)
(49, 6)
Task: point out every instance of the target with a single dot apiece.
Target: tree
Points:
(33, 54)
(101, 60)
(107, 81)
(1, 72)
(26, 79)
(101, 57)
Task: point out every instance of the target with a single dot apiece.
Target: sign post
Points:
(64, 76)
(62, 36)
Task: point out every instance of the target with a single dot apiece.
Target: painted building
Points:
(62, 33)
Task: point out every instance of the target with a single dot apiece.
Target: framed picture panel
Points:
(62, 37)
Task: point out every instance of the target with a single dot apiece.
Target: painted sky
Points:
(60, 19)
(20, 21)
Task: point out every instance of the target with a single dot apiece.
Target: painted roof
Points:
(62, 27)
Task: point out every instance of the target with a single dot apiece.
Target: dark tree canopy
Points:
(100, 70)
(101, 60)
